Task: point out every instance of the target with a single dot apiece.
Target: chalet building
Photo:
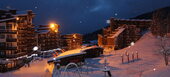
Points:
(71, 41)
(17, 37)
(122, 32)
(47, 38)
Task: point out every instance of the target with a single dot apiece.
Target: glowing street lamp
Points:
(132, 43)
(74, 36)
(17, 18)
(54, 27)
(35, 48)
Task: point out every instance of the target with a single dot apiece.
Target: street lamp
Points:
(35, 48)
(54, 27)
(132, 43)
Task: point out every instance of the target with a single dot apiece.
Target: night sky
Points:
(82, 16)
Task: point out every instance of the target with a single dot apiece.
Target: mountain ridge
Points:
(148, 15)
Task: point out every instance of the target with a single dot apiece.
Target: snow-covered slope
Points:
(150, 61)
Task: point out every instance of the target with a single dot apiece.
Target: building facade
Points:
(17, 36)
(122, 32)
(48, 39)
(71, 41)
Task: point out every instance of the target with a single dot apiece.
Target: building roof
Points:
(22, 13)
(120, 30)
(12, 14)
(8, 19)
(75, 51)
(133, 19)
(42, 31)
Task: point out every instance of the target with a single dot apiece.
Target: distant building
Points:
(71, 41)
(17, 37)
(48, 39)
(122, 32)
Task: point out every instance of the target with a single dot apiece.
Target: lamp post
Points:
(37, 41)
(74, 41)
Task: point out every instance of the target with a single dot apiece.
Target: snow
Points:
(3, 20)
(134, 20)
(76, 51)
(149, 64)
(117, 33)
(68, 55)
(36, 69)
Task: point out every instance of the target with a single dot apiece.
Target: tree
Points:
(160, 28)
(164, 48)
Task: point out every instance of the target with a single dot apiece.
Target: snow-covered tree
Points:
(160, 28)
(164, 44)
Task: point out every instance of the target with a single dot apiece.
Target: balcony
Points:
(8, 48)
(8, 31)
(11, 40)
(13, 55)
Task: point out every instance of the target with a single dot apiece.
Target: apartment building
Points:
(17, 36)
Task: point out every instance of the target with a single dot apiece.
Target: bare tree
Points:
(165, 48)
(160, 27)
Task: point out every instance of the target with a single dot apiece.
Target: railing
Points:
(8, 48)
(11, 40)
(8, 31)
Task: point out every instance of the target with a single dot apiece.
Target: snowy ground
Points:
(150, 63)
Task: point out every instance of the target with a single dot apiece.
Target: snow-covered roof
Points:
(43, 31)
(90, 48)
(68, 55)
(117, 33)
(22, 13)
(75, 52)
(2, 20)
(133, 19)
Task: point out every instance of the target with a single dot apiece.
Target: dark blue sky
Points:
(83, 16)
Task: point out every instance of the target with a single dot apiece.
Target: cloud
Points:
(100, 5)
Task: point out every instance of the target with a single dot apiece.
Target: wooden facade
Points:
(48, 39)
(122, 32)
(71, 41)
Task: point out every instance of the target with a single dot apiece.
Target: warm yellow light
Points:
(74, 36)
(56, 30)
(17, 18)
(52, 25)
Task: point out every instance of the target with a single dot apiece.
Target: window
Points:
(9, 45)
(2, 44)
(2, 52)
(2, 36)
(9, 26)
(9, 36)
(2, 27)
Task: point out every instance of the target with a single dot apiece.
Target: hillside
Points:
(93, 35)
